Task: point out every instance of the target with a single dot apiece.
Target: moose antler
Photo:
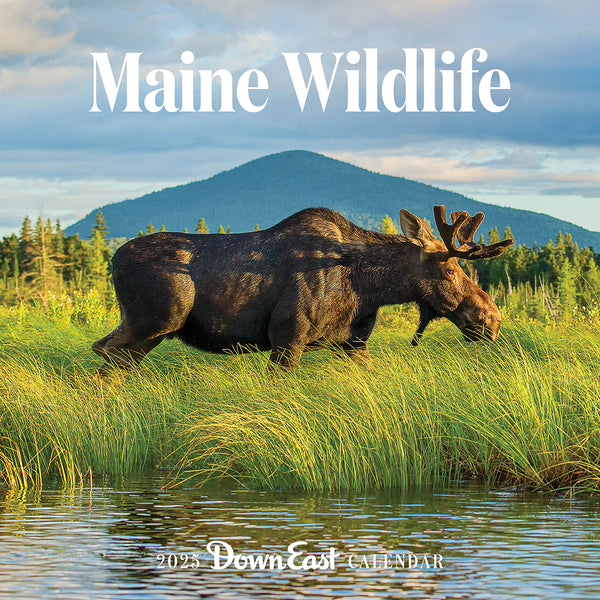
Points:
(463, 229)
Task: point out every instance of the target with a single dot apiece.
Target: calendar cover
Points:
(299, 300)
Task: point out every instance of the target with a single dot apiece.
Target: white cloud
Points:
(34, 79)
(549, 49)
(427, 168)
(458, 161)
(29, 27)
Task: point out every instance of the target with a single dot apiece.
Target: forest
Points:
(521, 411)
(556, 280)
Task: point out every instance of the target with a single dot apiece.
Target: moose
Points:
(313, 280)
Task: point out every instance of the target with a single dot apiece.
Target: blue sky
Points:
(57, 158)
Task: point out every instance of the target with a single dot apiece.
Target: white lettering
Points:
(317, 75)
(131, 69)
(486, 87)
(214, 547)
(244, 87)
(167, 91)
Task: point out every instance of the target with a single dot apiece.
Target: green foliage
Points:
(42, 261)
(202, 227)
(388, 226)
(555, 281)
(523, 410)
(99, 255)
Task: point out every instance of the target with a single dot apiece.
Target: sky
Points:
(60, 160)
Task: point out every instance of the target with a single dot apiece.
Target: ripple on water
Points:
(104, 544)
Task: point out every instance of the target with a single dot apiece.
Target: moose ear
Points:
(415, 229)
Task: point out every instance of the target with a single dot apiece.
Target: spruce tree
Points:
(99, 254)
(76, 260)
(567, 290)
(58, 240)
(43, 275)
(388, 226)
(25, 249)
(201, 227)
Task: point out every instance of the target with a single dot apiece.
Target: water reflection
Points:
(104, 543)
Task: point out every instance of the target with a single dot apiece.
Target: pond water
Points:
(139, 541)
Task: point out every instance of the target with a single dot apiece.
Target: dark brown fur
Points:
(313, 280)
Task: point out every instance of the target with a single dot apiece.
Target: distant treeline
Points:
(550, 281)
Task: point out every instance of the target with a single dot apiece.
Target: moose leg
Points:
(356, 349)
(145, 321)
(286, 347)
(358, 352)
(123, 349)
(426, 315)
(288, 337)
(285, 357)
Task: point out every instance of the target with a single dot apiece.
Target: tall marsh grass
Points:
(524, 410)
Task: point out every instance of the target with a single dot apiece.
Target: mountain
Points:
(268, 189)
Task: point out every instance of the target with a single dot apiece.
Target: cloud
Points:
(521, 158)
(492, 162)
(547, 144)
(427, 168)
(31, 27)
(580, 190)
(576, 177)
(35, 79)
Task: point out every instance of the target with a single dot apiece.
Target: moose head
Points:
(445, 289)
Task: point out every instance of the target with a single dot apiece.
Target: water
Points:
(141, 542)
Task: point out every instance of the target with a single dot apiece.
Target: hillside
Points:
(268, 189)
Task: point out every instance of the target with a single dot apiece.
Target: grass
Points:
(524, 410)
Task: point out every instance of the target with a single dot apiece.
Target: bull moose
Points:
(313, 280)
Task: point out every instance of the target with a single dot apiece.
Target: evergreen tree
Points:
(150, 229)
(201, 227)
(25, 249)
(388, 226)
(590, 287)
(496, 268)
(26, 233)
(221, 230)
(76, 259)
(58, 240)
(542, 282)
(9, 250)
(567, 291)
(493, 236)
(43, 269)
(99, 254)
